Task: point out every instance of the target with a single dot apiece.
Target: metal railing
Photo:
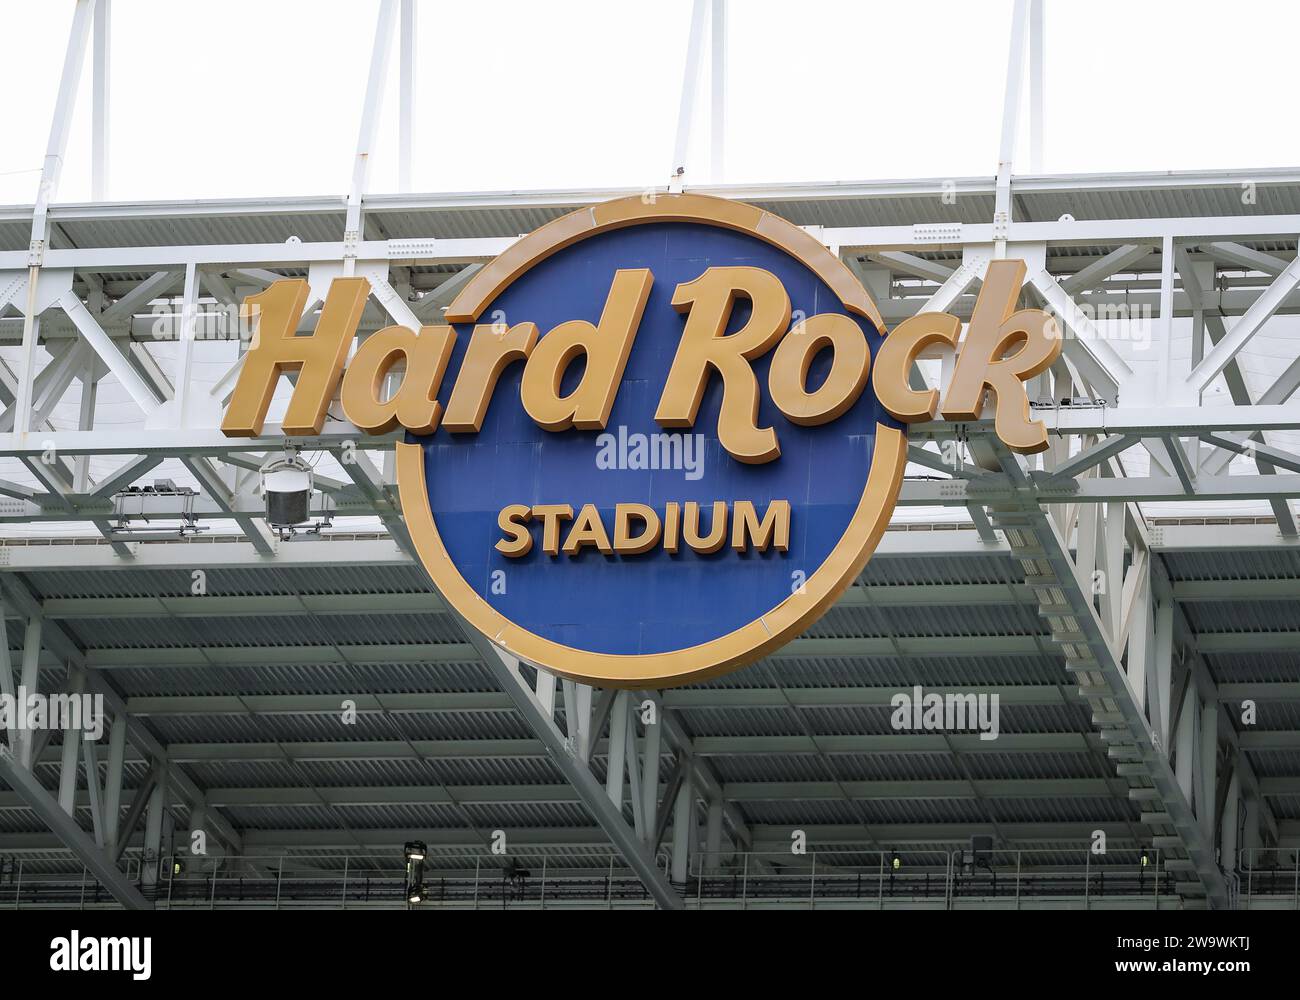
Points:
(1269, 875)
(883, 879)
(336, 881)
(934, 877)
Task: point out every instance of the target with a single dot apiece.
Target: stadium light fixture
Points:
(287, 488)
(416, 851)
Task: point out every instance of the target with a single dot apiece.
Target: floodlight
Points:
(287, 487)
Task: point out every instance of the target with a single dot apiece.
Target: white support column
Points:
(1161, 679)
(70, 757)
(1037, 85)
(90, 367)
(94, 791)
(640, 823)
(153, 831)
(27, 358)
(30, 681)
(368, 130)
(650, 767)
(1170, 389)
(185, 347)
(577, 712)
(74, 59)
(546, 692)
(8, 688)
(1206, 798)
(683, 826)
(1187, 749)
(686, 106)
(718, 91)
(1141, 641)
(1228, 826)
(713, 837)
(101, 70)
(617, 749)
(1113, 568)
(1250, 839)
(167, 848)
(1085, 551)
(1010, 127)
(406, 96)
(113, 781)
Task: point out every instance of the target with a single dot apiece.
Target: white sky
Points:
(262, 97)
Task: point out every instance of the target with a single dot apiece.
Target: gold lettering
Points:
(414, 404)
(672, 526)
(892, 378)
(983, 365)
(519, 540)
(787, 378)
(772, 532)
(627, 544)
(606, 347)
(705, 346)
(587, 530)
(552, 514)
(487, 356)
(317, 358)
(717, 536)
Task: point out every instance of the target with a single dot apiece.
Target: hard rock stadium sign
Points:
(546, 490)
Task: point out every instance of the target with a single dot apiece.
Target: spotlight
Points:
(287, 487)
(415, 851)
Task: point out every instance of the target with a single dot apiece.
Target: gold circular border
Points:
(749, 642)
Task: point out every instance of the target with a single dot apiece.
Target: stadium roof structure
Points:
(1124, 593)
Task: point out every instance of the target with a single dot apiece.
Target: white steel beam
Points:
(1245, 328)
(1037, 85)
(102, 72)
(690, 81)
(593, 794)
(113, 782)
(108, 352)
(368, 130)
(406, 95)
(1088, 642)
(74, 59)
(718, 90)
(1002, 209)
(1253, 260)
(1084, 345)
(911, 264)
(9, 689)
(65, 828)
(1092, 276)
